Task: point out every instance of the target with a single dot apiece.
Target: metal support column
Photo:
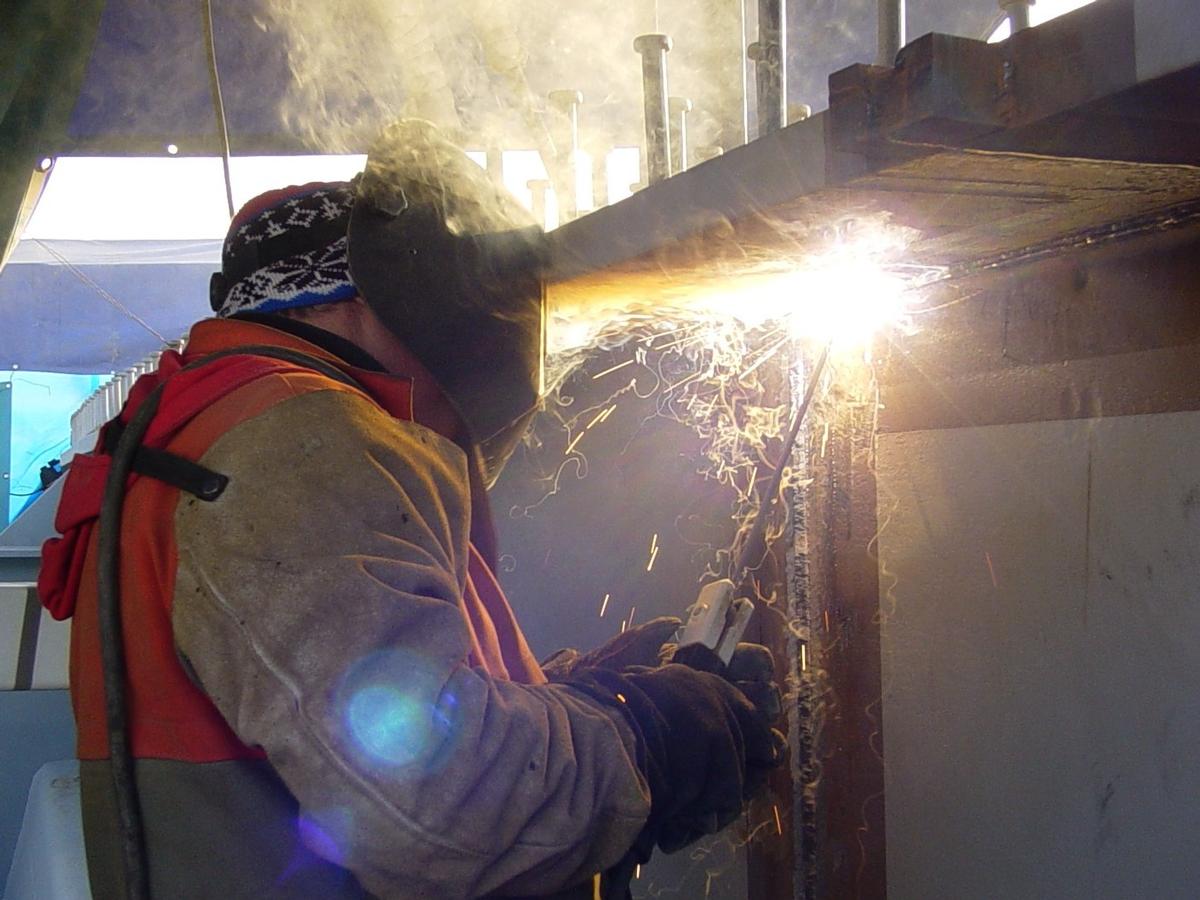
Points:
(1017, 12)
(891, 31)
(653, 49)
(680, 107)
(769, 53)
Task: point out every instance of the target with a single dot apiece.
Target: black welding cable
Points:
(112, 648)
(112, 652)
(214, 80)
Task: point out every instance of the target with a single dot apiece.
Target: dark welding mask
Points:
(452, 264)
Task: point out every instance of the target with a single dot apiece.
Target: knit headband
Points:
(286, 249)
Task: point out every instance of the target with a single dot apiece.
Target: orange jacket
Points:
(521, 786)
(171, 718)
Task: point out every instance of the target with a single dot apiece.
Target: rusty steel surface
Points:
(1054, 181)
(984, 149)
(1095, 331)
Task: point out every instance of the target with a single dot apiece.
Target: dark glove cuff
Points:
(639, 712)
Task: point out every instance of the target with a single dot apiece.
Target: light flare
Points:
(843, 288)
(397, 711)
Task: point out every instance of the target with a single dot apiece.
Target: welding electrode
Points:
(719, 617)
(653, 49)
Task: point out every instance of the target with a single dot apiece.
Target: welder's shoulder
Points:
(306, 423)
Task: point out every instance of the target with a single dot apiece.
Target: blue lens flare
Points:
(317, 832)
(388, 724)
(398, 710)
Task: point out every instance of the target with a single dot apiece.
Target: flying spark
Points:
(597, 420)
(609, 371)
(604, 605)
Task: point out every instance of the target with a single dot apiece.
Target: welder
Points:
(320, 689)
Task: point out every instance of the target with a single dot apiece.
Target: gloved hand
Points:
(751, 669)
(703, 747)
(638, 646)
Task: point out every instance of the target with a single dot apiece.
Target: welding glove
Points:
(703, 747)
(639, 646)
(751, 669)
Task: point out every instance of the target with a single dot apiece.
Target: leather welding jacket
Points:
(329, 694)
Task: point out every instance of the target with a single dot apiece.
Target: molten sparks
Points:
(991, 569)
(653, 552)
(778, 821)
(611, 369)
(604, 605)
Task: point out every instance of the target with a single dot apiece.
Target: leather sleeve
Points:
(317, 601)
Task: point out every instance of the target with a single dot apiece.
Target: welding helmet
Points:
(452, 264)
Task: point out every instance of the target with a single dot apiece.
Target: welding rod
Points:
(654, 49)
(755, 543)
(891, 31)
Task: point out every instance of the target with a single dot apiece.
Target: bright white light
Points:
(130, 198)
(1039, 12)
(854, 282)
(165, 197)
(585, 197)
(254, 175)
(844, 293)
(846, 304)
(172, 149)
(622, 170)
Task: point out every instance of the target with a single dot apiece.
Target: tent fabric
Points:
(108, 253)
(45, 46)
(98, 317)
(148, 81)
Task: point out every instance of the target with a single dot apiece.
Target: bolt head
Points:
(566, 98)
(651, 43)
